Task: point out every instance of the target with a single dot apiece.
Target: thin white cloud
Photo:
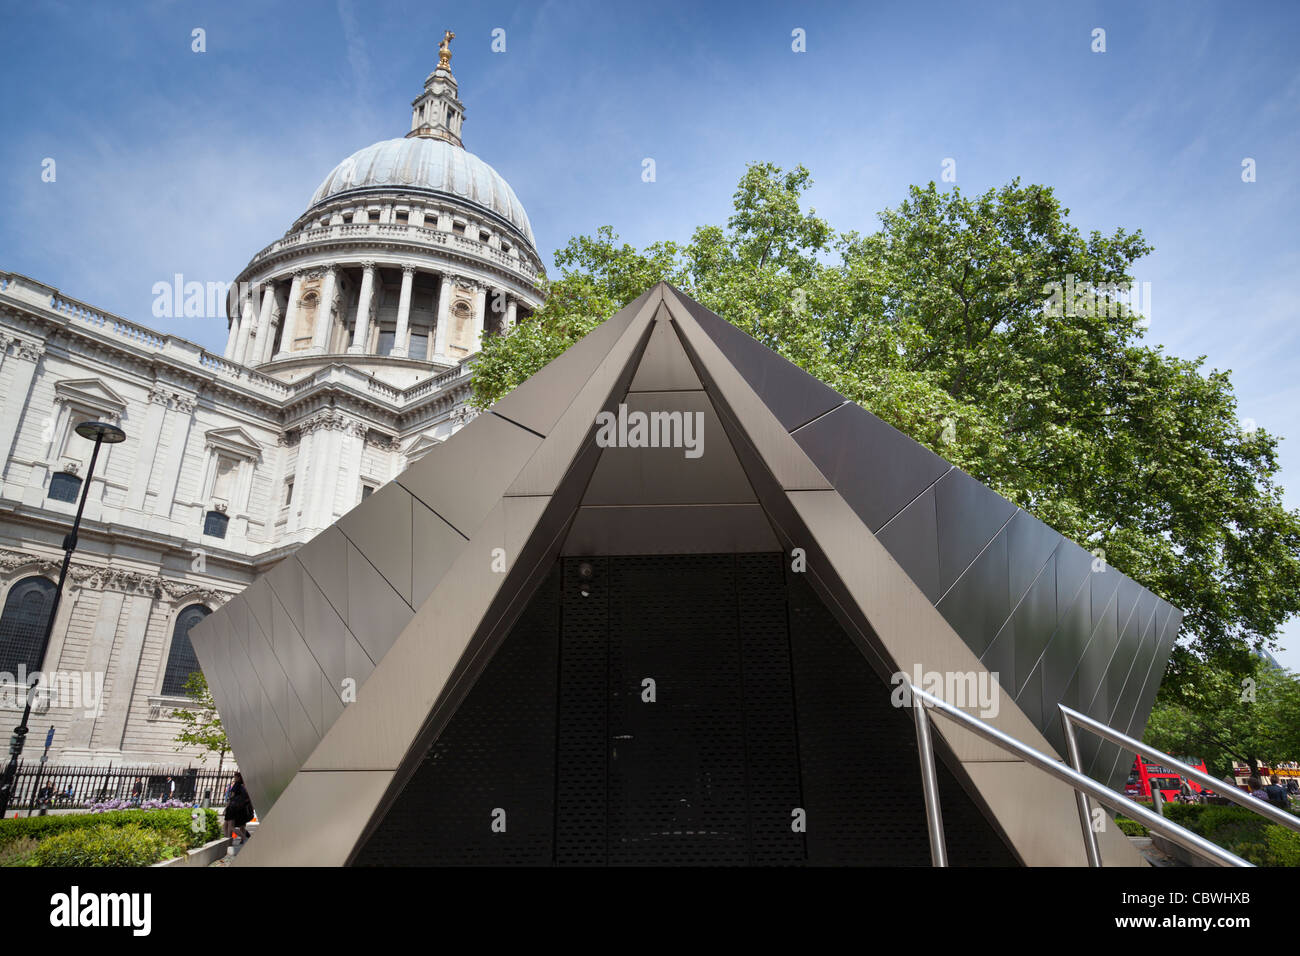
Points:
(358, 58)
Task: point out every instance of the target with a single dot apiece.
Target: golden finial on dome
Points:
(444, 51)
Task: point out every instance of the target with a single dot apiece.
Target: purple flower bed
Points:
(150, 804)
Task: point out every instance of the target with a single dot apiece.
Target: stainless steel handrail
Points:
(1076, 779)
(1071, 717)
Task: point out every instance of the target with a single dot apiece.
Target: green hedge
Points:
(1239, 831)
(126, 844)
(45, 828)
(1131, 827)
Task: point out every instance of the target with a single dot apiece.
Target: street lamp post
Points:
(101, 433)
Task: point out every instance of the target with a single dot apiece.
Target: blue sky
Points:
(173, 161)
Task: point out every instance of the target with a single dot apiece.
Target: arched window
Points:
(181, 659)
(22, 625)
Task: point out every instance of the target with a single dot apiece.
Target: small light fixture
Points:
(586, 574)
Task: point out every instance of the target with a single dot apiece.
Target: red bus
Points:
(1146, 775)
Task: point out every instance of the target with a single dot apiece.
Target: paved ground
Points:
(1153, 856)
(225, 860)
(1142, 844)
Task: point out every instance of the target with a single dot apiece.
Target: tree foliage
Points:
(1220, 715)
(937, 323)
(201, 724)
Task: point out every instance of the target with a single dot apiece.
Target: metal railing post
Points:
(1102, 794)
(929, 786)
(1081, 798)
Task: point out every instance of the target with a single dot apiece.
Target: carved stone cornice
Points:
(181, 590)
(12, 560)
(95, 578)
(117, 579)
(377, 439)
(328, 420)
(464, 415)
(161, 394)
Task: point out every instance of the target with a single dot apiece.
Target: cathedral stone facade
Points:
(349, 354)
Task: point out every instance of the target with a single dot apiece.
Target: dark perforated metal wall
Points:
(762, 706)
(496, 754)
(861, 774)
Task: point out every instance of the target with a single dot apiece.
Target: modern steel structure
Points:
(650, 609)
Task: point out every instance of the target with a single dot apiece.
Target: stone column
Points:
(246, 329)
(182, 419)
(401, 341)
(290, 317)
(480, 316)
(325, 311)
(147, 448)
(343, 471)
(326, 432)
(362, 335)
(98, 655)
(301, 491)
(265, 329)
(511, 317)
(119, 682)
(444, 312)
(232, 339)
(16, 406)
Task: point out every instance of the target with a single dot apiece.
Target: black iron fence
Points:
(51, 786)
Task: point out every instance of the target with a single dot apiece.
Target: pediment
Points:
(234, 439)
(421, 446)
(91, 392)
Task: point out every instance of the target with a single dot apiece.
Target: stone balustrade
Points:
(186, 353)
(416, 235)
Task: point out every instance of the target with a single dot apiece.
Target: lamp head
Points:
(108, 434)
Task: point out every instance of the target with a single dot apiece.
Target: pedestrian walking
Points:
(239, 809)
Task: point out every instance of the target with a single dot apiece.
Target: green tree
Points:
(201, 723)
(1218, 714)
(937, 323)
